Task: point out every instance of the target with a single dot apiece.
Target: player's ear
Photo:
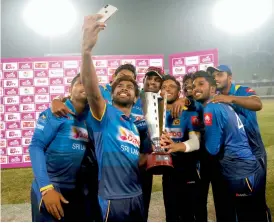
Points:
(161, 93)
(213, 89)
(113, 77)
(229, 78)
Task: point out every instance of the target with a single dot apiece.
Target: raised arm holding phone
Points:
(116, 136)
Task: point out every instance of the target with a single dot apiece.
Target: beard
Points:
(123, 102)
(172, 100)
(224, 86)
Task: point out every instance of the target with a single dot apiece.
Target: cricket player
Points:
(226, 140)
(117, 140)
(57, 150)
(207, 166)
(245, 102)
(181, 187)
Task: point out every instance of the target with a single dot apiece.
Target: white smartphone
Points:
(107, 12)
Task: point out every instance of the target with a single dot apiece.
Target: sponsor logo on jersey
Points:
(174, 133)
(78, 133)
(250, 90)
(195, 120)
(208, 118)
(128, 136)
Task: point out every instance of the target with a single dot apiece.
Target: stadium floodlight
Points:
(241, 16)
(50, 17)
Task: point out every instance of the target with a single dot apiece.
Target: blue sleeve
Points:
(214, 121)
(245, 91)
(194, 124)
(46, 129)
(106, 94)
(102, 89)
(98, 125)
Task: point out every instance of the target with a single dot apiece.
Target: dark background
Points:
(147, 27)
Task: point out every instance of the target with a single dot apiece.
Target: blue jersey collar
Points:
(108, 87)
(119, 112)
(232, 90)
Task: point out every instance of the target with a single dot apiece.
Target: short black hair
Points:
(209, 78)
(126, 78)
(169, 77)
(129, 67)
(74, 80)
(187, 76)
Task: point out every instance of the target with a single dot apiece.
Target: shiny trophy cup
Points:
(154, 109)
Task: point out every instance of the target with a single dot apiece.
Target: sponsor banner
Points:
(28, 86)
(190, 62)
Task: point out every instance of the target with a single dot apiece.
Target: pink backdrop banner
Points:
(28, 85)
(190, 62)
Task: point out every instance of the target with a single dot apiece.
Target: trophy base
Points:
(159, 163)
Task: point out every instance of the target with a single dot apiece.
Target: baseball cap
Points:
(155, 71)
(220, 68)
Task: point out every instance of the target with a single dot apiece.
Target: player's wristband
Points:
(46, 191)
(50, 186)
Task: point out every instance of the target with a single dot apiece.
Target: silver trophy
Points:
(154, 109)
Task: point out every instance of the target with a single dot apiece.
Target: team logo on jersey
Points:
(78, 133)
(128, 136)
(250, 90)
(176, 122)
(42, 119)
(208, 118)
(195, 120)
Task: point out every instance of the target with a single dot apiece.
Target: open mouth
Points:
(189, 90)
(198, 94)
(123, 94)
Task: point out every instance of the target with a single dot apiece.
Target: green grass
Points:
(16, 183)
(266, 122)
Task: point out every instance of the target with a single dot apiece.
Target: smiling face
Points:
(152, 83)
(222, 80)
(188, 87)
(202, 90)
(124, 93)
(172, 90)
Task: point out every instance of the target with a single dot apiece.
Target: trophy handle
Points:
(162, 117)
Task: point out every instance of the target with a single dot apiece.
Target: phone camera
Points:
(106, 11)
(106, 6)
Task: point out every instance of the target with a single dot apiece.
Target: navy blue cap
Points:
(220, 68)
